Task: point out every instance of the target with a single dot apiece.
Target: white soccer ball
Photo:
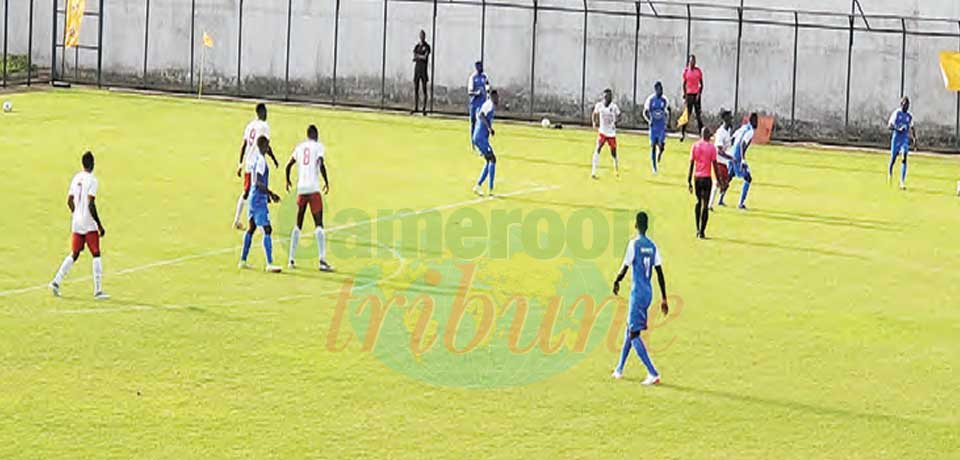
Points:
(545, 122)
(7, 106)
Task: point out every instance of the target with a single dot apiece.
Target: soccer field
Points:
(821, 323)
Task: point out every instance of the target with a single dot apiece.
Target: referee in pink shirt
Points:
(703, 165)
(692, 90)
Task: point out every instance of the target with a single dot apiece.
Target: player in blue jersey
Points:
(642, 258)
(477, 90)
(260, 197)
(901, 124)
(481, 141)
(657, 113)
(742, 139)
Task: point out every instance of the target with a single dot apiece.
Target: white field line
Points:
(201, 255)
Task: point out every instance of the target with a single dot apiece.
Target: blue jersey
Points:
(642, 255)
(657, 108)
(259, 198)
(477, 88)
(742, 139)
(480, 132)
(901, 122)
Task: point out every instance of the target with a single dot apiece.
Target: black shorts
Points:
(420, 76)
(702, 187)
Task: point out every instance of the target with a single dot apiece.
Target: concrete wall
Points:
(507, 48)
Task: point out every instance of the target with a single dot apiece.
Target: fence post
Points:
(193, 39)
(239, 48)
(736, 87)
(846, 105)
(100, 45)
(433, 49)
(583, 66)
(383, 60)
(336, 46)
(286, 75)
(483, 28)
(636, 53)
(6, 30)
(146, 41)
(689, 34)
(903, 57)
(533, 57)
(793, 97)
(53, 45)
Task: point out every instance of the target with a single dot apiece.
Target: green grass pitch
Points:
(822, 323)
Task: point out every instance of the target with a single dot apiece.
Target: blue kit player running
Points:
(738, 167)
(260, 197)
(481, 141)
(901, 123)
(641, 258)
(657, 112)
(477, 90)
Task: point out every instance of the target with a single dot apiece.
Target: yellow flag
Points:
(75, 10)
(207, 40)
(684, 118)
(950, 66)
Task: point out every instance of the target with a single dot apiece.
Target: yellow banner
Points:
(950, 66)
(75, 9)
(207, 40)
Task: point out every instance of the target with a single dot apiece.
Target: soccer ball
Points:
(7, 106)
(545, 122)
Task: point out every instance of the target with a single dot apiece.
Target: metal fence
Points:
(824, 76)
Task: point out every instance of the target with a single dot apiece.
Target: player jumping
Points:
(656, 110)
(738, 165)
(260, 196)
(641, 258)
(606, 114)
(87, 228)
(481, 140)
(723, 140)
(308, 156)
(256, 128)
(901, 124)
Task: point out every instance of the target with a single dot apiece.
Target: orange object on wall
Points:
(764, 129)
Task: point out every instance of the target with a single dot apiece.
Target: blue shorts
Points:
(658, 135)
(738, 169)
(483, 146)
(899, 146)
(639, 304)
(260, 215)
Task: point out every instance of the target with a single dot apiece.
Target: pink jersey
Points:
(703, 154)
(692, 80)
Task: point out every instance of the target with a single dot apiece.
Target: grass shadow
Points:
(784, 247)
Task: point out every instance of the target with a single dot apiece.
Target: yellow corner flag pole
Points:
(207, 43)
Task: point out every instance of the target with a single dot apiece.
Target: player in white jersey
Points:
(606, 114)
(86, 227)
(308, 156)
(254, 130)
(723, 140)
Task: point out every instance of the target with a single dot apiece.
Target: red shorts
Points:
(723, 176)
(608, 140)
(246, 182)
(313, 199)
(91, 240)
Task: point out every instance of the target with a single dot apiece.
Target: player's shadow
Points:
(793, 405)
(540, 161)
(821, 219)
(784, 247)
(869, 170)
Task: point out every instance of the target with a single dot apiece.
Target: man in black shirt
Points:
(421, 56)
